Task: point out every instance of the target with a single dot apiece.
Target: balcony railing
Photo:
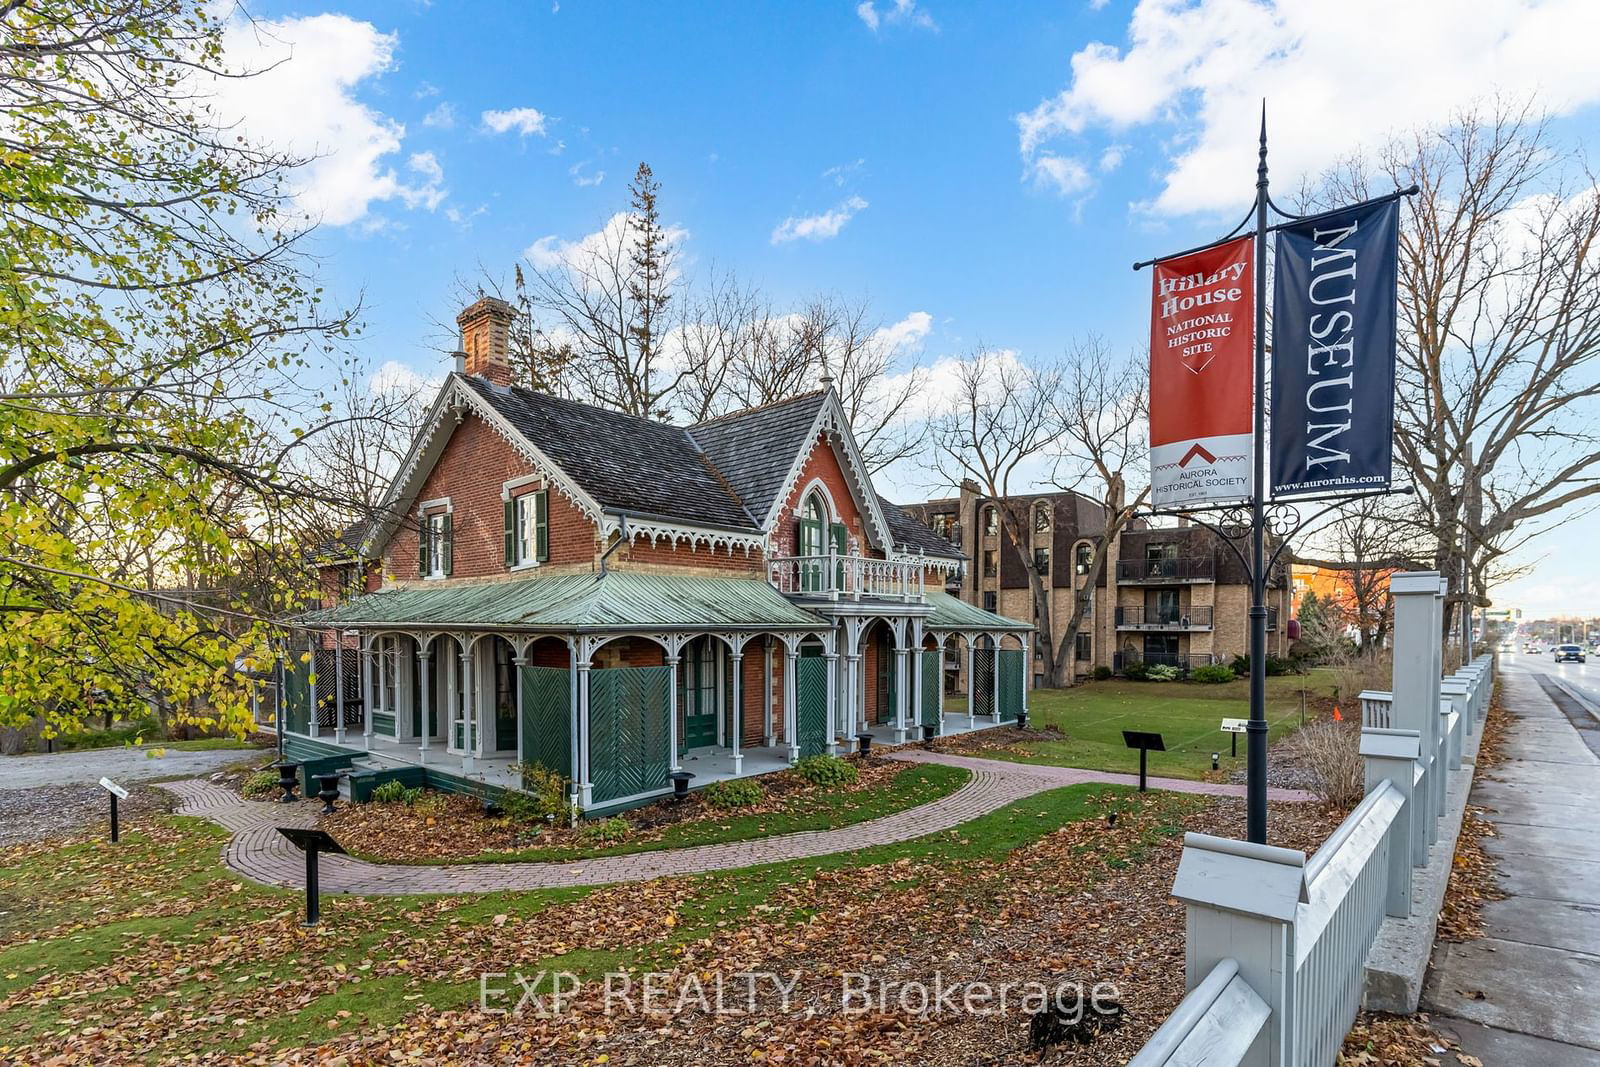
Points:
(1195, 618)
(833, 577)
(1184, 661)
(1180, 569)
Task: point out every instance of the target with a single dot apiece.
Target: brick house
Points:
(617, 599)
(1176, 595)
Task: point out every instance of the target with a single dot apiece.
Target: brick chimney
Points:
(486, 338)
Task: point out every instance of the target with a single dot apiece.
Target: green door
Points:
(811, 703)
(547, 719)
(697, 695)
(888, 683)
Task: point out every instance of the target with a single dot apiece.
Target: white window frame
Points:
(524, 512)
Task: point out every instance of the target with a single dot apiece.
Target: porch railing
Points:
(1136, 618)
(835, 577)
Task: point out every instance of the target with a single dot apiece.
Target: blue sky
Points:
(995, 168)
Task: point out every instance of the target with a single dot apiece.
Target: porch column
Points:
(311, 683)
(736, 719)
(1027, 674)
(672, 714)
(791, 710)
(916, 688)
(994, 679)
(585, 785)
(854, 691)
(519, 661)
(972, 688)
(902, 694)
(469, 743)
(766, 694)
(425, 696)
(575, 792)
(832, 660)
(338, 686)
(365, 660)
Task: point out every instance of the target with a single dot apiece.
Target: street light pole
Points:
(1256, 728)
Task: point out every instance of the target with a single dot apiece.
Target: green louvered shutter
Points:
(511, 532)
(422, 549)
(541, 525)
(841, 546)
(448, 547)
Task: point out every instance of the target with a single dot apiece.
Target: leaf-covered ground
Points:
(448, 828)
(151, 952)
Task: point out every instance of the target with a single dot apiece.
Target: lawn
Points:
(149, 949)
(1188, 716)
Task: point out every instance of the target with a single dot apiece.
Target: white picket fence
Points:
(1277, 944)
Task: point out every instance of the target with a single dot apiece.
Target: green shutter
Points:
(511, 532)
(541, 525)
(422, 549)
(448, 548)
(840, 546)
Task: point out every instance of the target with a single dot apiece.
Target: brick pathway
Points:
(260, 853)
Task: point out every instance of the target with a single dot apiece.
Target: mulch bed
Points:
(444, 827)
(996, 738)
(44, 812)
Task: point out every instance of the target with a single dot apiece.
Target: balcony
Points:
(1181, 570)
(1191, 619)
(848, 578)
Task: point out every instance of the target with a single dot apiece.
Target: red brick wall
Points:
(738, 563)
(630, 652)
(472, 472)
(549, 652)
(824, 465)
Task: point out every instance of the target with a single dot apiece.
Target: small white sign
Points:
(1234, 726)
(112, 787)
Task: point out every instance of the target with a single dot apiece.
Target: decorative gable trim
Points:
(831, 420)
(657, 531)
(449, 410)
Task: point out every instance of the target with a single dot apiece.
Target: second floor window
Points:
(435, 548)
(991, 602)
(527, 522)
(1085, 559)
(1041, 560)
(991, 522)
(989, 569)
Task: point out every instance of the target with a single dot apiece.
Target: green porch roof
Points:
(586, 601)
(951, 613)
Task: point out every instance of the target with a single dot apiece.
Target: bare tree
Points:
(1364, 542)
(1100, 411)
(1500, 330)
(996, 423)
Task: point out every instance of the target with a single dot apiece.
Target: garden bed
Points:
(449, 828)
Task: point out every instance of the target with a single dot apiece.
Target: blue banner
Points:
(1333, 345)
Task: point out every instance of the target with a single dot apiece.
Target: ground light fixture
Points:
(1215, 756)
(864, 743)
(680, 785)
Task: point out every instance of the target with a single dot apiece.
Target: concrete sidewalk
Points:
(1528, 992)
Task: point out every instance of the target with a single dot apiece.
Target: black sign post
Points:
(1145, 743)
(117, 793)
(312, 842)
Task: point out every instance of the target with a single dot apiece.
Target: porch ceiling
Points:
(950, 613)
(575, 601)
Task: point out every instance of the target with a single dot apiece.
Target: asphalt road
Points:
(1584, 677)
(120, 764)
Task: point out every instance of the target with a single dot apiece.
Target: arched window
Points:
(991, 521)
(813, 521)
(1083, 557)
(1041, 517)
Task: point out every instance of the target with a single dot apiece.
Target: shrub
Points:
(1163, 672)
(1102, 672)
(410, 796)
(1276, 665)
(1331, 754)
(604, 831)
(260, 784)
(1212, 673)
(734, 793)
(542, 799)
(391, 792)
(823, 769)
(1136, 672)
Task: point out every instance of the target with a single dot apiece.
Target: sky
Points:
(983, 174)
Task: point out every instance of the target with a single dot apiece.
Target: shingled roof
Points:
(624, 462)
(755, 449)
(911, 535)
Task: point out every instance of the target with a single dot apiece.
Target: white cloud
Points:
(1112, 157)
(615, 237)
(580, 178)
(303, 102)
(838, 175)
(818, 227)
(431, 192)
(425, 90)
(909, 331)
(395, 379)
(1060, 173)
(523, 120)
(894, 11)
(1337, 77)
(442, 117)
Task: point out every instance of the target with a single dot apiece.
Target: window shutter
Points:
(511, 532)
(541, 525)
(841, 541)
(448, 550)
(422, 549)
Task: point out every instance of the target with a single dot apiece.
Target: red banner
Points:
(1201, 375)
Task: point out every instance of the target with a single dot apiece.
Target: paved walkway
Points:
(122, 764)
(260, 853)
(1525, 993)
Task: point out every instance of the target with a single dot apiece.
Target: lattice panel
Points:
(628, 752)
